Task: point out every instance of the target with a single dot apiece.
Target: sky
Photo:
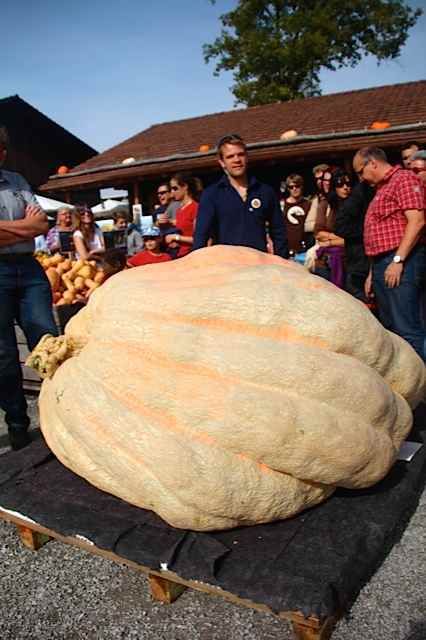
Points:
(107, 70)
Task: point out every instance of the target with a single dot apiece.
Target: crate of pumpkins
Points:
(71, 280)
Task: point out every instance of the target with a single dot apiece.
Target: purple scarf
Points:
(335, 261)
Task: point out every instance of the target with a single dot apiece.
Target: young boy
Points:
(152, 253)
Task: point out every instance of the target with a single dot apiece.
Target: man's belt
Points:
(12, 257)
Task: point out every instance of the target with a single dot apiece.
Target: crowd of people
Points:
(362, 229)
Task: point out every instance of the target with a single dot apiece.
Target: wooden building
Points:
(329, 128)
(38, 146)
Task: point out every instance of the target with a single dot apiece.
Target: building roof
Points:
(38, 145)
(339, 117)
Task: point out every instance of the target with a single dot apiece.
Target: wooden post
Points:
(136, 198)
(306, 630)
(32, 539)
(164, 590)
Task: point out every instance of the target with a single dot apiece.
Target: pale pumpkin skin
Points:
(228, 388)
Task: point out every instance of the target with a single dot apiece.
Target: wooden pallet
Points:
(166, 586)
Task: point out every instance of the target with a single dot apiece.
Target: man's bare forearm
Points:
(7, 238)
(25, 228)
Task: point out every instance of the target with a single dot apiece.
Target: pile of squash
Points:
(71, 280)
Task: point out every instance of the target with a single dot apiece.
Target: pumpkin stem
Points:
(50, 353)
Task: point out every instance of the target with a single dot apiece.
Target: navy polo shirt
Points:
(224, 216)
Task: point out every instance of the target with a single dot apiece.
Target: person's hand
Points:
(324, 242)
(393, 274)
(162, 218)
(171, 237)
(368, 285)
(34, 210)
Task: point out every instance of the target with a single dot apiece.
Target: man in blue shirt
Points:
(25, 294)
(239, 210)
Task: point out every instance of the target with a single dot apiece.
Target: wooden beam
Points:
(166, 586)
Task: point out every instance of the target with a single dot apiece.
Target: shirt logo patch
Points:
(256, 203)
(293, 213)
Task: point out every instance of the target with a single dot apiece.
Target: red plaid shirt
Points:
(385, 222)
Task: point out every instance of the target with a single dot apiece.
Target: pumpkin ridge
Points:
(87, 449)
(284, 333)
(159, 415)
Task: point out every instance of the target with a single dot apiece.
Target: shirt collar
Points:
(388, 175)
(224, 181)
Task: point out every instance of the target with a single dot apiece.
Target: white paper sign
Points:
(408, 450)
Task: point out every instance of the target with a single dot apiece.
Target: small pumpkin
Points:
(228, 393)
(380, 124)
(289, 134)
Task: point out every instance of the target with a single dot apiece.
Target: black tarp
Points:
(314, 563)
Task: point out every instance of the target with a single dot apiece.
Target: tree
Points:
(277, 49)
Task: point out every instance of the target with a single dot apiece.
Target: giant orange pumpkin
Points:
(230, 387)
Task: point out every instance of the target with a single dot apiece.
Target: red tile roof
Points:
(340, 113)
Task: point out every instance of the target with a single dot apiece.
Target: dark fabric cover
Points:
(315, 563)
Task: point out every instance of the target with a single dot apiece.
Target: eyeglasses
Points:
(162, 193)
(361, 171)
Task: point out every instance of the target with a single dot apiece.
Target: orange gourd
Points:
(219, 390)
(54, 278)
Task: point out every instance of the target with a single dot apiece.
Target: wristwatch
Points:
(397, 259)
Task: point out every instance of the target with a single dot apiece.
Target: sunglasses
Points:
(294, 186)
(162, 193)
(417, 170)
(343, 183)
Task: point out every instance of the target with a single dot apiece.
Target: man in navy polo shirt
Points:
(237, 209)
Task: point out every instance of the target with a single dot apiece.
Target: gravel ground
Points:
(61, 592)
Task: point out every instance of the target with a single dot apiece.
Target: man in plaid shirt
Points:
(392, 229)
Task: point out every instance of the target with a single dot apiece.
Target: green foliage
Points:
(277, 49)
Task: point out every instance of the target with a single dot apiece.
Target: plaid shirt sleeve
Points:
(410, 194)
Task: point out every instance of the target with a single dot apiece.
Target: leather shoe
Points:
(18, 439)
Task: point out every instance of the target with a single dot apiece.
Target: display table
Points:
(307, 569)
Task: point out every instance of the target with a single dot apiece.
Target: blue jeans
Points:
(25, 296)
(399, 307)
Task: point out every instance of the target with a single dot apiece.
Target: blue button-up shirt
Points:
(224, 216)
(15, 195)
